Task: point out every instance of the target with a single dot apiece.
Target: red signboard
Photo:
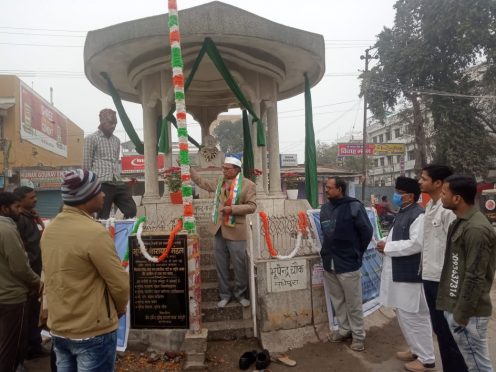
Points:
(136, 163)
(41, 123)
(354, 149)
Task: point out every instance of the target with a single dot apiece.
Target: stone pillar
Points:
(165, 110)
(257, 151)
(273, 148)
(265, 165)
(149, 97)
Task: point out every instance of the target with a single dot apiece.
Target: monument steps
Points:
(207, 258)
(209, 273)
(233, 311)
(222, 330)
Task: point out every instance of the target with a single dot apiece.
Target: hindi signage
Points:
(377, 149)
(159, 291)
(289, 160)
(286, 275)
(41, 179)
(41, 123)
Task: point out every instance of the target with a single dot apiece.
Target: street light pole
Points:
(366, 57)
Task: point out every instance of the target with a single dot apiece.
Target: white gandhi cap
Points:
(232, 160)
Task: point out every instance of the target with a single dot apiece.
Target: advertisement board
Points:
(289, 160)
(41, 123)
(136, 163)
(354, 149)
(374, 149)
(41, 179)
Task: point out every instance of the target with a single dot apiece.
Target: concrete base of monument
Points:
(159, 340)
(195, 348)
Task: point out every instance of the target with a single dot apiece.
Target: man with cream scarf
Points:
(234, 199)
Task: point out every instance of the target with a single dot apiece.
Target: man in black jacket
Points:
(347, 233)
(30, 227)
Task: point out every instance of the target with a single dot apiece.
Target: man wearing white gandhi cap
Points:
(234, 199)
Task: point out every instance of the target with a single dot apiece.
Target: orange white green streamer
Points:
(303, 230)
(189, 222)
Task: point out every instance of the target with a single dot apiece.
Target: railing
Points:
(283, 231)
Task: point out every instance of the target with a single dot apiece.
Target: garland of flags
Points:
(189, 222)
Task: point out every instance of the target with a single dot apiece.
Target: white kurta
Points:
(405, 296)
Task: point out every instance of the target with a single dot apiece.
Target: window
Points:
(381, 138)
(376, 163)
(381, 160)
(374, 139)
(398, 158)
(388, 135)
(411, 155)
(397, 133)
(390, 160)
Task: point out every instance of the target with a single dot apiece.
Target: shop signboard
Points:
(136, 163)
(41, 179)
(373, 149)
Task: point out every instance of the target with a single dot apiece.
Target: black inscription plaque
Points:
(159, 291)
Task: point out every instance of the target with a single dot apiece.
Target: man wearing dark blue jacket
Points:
(347, 233)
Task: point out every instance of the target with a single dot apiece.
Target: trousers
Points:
(230, 251)
(13, 335)
(345, 291)
(451, 357)
(117, 193)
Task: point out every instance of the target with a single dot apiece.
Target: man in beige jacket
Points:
(234, 199)
(87, 288)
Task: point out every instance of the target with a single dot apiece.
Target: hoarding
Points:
(41, 179)
(41, 123)
(374, 149)
(354, 149)
(289, 160)
(136, 163)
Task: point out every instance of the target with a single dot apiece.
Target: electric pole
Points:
(366, 57)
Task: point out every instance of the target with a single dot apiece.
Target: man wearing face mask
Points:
(401, 279)
(101, 156)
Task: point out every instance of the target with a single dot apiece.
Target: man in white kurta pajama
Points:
(401, 284)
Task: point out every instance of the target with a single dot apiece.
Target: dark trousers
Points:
(32, 321)
(12, 335)
(117, 193)
(450, 354)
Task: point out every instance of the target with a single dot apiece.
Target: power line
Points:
(38, 34)
(41, 29)
(314, 107)
(43, 45)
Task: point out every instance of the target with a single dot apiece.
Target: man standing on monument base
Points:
(101, 156)
(234, 199)
(87, 289)
(347, 233)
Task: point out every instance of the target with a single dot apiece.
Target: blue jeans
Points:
(94, 355)
(472, 342)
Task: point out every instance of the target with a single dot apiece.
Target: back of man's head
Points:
(79, 186)
(438, 172)
(22, 191)
(464, 186)
(340, 184)
(7, 199)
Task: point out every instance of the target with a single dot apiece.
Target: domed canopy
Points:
(248, 44)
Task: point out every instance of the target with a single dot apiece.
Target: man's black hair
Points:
(340, 184)
(438, 172)
(7, 199)
(22, 191)
(465, 186)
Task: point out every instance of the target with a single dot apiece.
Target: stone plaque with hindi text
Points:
(286, 275)
(159, 291)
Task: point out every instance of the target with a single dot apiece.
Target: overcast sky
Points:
(42, 42)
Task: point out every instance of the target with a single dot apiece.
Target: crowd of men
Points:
(438, 268)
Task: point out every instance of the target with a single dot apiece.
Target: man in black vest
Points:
(401, 279)
(347, 233)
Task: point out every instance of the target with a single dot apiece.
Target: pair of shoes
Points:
(244, 302)
(338, 337)
(418, 366)
(261, 359)
(247, 359)
(406, 356)
(222, 303)
(283, 359)
(357, 345)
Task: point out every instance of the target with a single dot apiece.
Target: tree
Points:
(423, 59)
(230, 136)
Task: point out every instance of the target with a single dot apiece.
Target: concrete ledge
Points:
(283, 340)
(159, 340)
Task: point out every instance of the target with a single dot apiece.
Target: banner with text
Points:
(374, 149)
